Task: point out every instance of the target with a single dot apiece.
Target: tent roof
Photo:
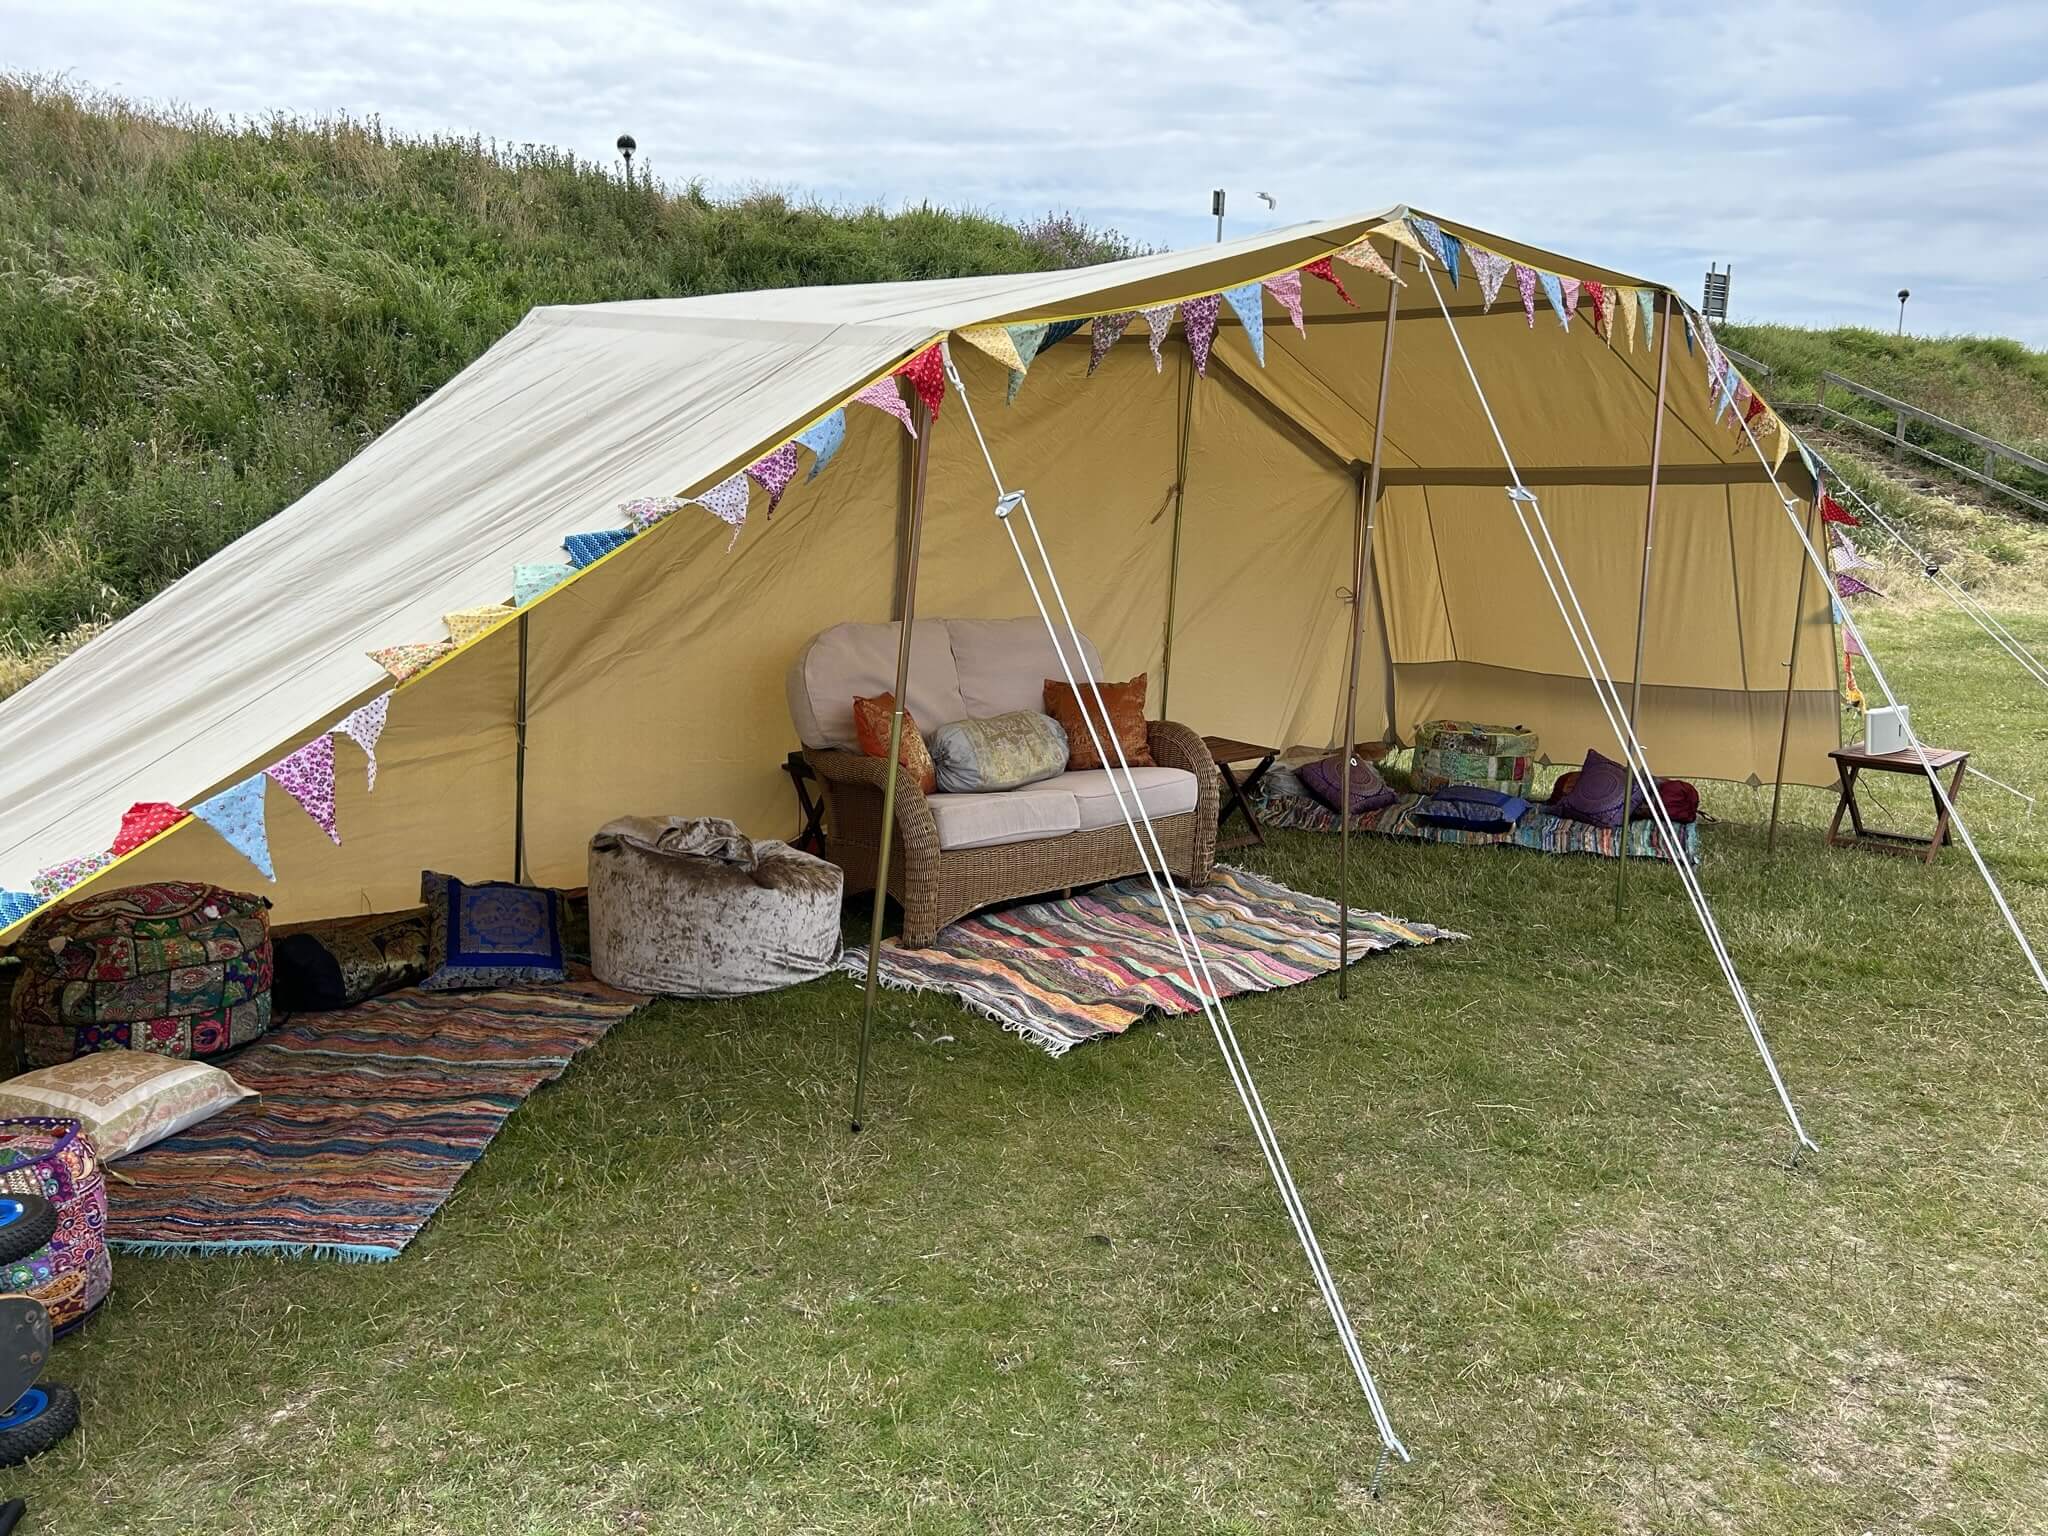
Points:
(578, 409)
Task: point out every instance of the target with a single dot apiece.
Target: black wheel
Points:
(27, 1222)
(47, 1412)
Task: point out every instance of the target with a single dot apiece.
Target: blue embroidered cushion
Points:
(492, 934)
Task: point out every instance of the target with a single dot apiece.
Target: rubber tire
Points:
(33, 1230)
(46, 1430)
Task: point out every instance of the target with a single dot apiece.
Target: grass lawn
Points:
(1060, 1296)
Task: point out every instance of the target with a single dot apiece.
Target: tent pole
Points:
(1180, 486)
(1635, 687)
(519, 766)
(1368, 502)
(908, 618)
(1791, 679)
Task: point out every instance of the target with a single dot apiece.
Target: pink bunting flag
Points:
(1526, 281)
(143, 821)
(1363, 253)
(927, 375)
(883, 395)
(1199, 317)
(1571, 286)
(1286, 291)
(1103, 332)
(365, 727)
(774, 473)
(1158, 321)
(1492, 268)
(72, 873)
(644, 512)
(1848, 586)
(1321, 267)
(1851, 646)
(308, 777)
(1603, 312)
(727, 500)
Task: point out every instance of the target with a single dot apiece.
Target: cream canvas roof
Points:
(655, 677)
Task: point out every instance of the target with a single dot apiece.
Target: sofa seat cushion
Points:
(1006, 816)
(1162, 791)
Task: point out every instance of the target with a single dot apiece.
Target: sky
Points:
(1834, 153)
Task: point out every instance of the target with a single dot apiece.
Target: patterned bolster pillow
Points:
(1001, 752)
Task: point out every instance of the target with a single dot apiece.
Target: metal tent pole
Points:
(1180, 487)
(519, 766)
(1791, 680)
(919, 476)
(1635, 687)
(1368, 504)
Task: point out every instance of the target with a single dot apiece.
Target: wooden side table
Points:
(1227, 753)
(812, 812)
(1852, 762)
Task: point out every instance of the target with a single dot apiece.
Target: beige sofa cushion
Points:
(850, 661)
(1162, 791)
(1002, 664)
(1005, 816)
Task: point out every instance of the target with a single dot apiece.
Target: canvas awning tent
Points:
(654, 681)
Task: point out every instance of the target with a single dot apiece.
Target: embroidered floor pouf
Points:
(695, 908)
(55, 1159)
(1501, 757)
(178, 968)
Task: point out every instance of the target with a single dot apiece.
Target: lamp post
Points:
(1216, 207)
(626, 148)
(1904, 294)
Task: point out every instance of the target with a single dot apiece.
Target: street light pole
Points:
(1216, 207)
(1904, 294)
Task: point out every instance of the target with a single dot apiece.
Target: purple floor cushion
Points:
(1325, 780)
(1598, 793)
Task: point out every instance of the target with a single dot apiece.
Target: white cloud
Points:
(1833, 152)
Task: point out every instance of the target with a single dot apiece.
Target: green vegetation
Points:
(202, 319)
(1039, 1296)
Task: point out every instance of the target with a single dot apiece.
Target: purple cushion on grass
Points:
(1325, 780)
(1599, 794)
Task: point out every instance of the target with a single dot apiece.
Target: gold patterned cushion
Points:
(124, 1099)
(871, 719)
(1000, 752)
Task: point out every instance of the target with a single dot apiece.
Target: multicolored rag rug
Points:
(1062, 972)
(368, 1118)
(1538, 830)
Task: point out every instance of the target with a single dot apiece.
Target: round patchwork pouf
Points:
(56, 1159)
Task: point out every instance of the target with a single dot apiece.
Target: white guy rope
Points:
(1175, 912)
(1912, 737)
(1604, 689)
(2017, 794)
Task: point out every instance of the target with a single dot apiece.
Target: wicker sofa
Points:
(956, 853)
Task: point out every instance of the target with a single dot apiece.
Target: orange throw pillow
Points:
(1126, 705)
(871, 724)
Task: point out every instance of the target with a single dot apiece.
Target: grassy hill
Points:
(203, 318)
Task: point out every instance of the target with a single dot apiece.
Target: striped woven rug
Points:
(1059, 973)
(367, 1120)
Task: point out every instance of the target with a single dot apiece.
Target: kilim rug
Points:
(1062, 972)
(368, 1118)
(1538, 830)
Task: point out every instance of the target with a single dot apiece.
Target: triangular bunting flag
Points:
(1596, 295)
(308, 777)
(1198, 317)
(144, 820)
(1058, 332)
(1688, 334)
(1286, 291)
(1553, 290)
(824, 438)
(465, 624)
(1845, 556)
(1246, 302)
(1454, 249)
(1624, 299)
(365, 727)
(16, 905)
(72, 873)
(1431, 235)
(1646, 305)
(237, 815)
(1755, 408)
(727, 500)
(1492, 268)
(1103, 332)
(589, 548)
(404, 661)
(1321, 267)
(992, 339)
(1397, 229)
(1027, 339)
(644, 513)
(1784, 442)
(1526, 281)
(1851, 646)
(1831, 511)
(927, 374)
(1730, 382)
(1849, 586)
(883, 395)
(529, 581)
(1159, 321)
(1570, 286)
(1363, 253)
(773, 473)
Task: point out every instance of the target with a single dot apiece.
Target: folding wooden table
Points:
(1853, 761)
